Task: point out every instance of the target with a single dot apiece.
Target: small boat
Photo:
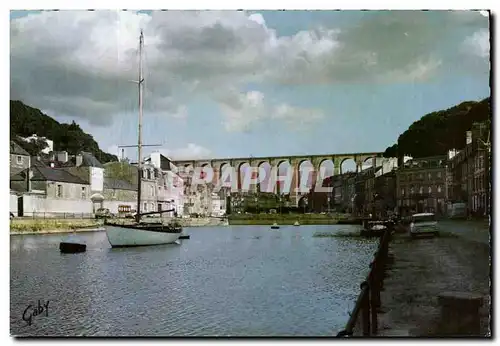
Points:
(373, 228)
(296, 223)
(275, 226)
(141, 233)
(67, 247)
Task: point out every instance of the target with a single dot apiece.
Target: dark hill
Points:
(438, 132)
(26, 121)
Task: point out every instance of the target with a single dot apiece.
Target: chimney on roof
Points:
(62, 156)
(79, 160)
(468, 137)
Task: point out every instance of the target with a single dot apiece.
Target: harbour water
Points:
(223, 281)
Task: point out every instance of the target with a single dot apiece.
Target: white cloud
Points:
(191, 151)
(78, 63)
(478, 44)
(297, 118)
(242, 110)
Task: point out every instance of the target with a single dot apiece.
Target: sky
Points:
(238, 84)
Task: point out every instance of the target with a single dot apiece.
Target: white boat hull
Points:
(121, 236)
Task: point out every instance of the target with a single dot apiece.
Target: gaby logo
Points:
(308, 179)
(38, 310)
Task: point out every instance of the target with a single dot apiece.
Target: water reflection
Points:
(223, 281)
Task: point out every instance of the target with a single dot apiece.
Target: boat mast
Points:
(139, 139)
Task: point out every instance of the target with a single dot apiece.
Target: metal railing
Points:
(363, 319)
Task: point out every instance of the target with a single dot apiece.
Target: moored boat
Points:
(141, 233)
(275, 226)
(296, 223)
(373, 228)
(120, 235)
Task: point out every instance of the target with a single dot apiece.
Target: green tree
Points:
(26, 121)
(437, 132)
(34, 147)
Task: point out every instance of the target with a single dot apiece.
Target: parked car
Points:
(102, 213)
(423, 224)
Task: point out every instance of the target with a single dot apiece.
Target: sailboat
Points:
(141, 233)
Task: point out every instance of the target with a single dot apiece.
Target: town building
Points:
(19, 158)
(85, 166)
(120, 196)
(197, 199)
(380, 188)
(50, 144)
(469, 170)
(53, 191)
(322, 201)
(218, 205)
(420, 185)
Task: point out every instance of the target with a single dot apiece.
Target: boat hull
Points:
(119, 236)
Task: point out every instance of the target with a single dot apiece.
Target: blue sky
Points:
(235, 84)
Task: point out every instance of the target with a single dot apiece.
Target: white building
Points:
(218, 205)
(50, 144)
(170, 186)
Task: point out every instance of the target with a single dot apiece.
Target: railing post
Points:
(376, 279)
(365, 309)
(374, 291)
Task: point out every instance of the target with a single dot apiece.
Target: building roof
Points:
(38, 162)
(89, 160)
(18, 175)
(118, 184)
(55, 174)
(16, 149)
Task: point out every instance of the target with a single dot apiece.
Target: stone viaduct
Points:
(374, 158)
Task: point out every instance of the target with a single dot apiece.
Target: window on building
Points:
(152, 190)
(148, 174)
(412, 190)
(84, 192)
(59, 190)
(420, 176)
(145, 206)
(421, 190)
(19, 160)
(439, 188)
(429, 190)
(439, 175)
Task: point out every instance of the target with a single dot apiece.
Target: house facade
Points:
(469, 172)
(421, 185)
(169, 187)
(54, 191)
(19, 158)
(120, 196)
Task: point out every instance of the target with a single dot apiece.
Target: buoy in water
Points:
(66, 247)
